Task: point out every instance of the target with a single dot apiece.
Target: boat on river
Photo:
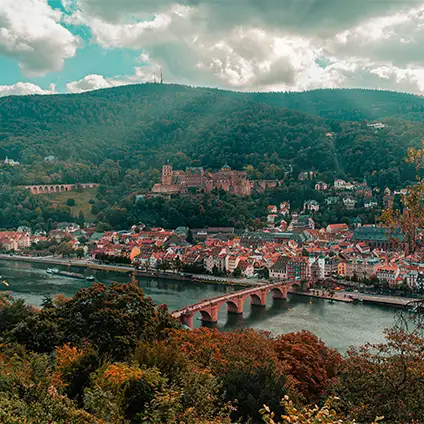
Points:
(90, 278)
(70, 275)
(52, 271)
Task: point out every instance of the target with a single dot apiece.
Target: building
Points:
(321, 186)
(279, 270)
(301, 222)
(378, 237)
(332, 200)
(387, 275)
(311, 206)
(272, 209)
(296, 268)
(370, 203)
(343, 185)
(11, 162)
(361, 268)
(306, 175)
(177, 182)
(349, 203)
(388, 199)
(285, 208)
(377, 126)
(337, 228)
(14, 240)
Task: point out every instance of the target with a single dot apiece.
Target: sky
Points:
(71, 46)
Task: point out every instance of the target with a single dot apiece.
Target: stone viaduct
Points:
(57, 188)
(235, 302)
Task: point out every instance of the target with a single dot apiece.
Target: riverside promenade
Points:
(349, 297)
(127, 269)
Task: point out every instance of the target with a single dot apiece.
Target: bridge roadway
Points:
(235, 302)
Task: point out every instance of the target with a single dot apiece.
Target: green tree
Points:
(190, 238)
(237, 272)
(81, 219)
(70, 202)
(112, 318)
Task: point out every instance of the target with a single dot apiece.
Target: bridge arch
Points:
(206, 316)
(57, 189)
(234, 307)
(296, 286)
(277, 293)
(62, 188)
(256, 299)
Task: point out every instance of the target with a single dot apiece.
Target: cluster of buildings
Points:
(199, 180)
(373, 255)
(350, 195)
(10, 162)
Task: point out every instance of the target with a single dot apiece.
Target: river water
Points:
(339, 324)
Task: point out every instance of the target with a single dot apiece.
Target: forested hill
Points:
(349, 104)
(142, 126)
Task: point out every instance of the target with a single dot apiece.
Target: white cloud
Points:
(96, 82)
(237, 44)
(305, 16)
(89, 82)
(23, 88)
(394, 39)
(266, 45)
(31, 33)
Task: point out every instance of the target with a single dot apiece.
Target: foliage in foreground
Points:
(110, 356)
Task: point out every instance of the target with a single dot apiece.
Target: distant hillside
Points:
(349, 105)
(142, 126)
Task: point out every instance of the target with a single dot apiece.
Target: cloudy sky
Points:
(49, 46)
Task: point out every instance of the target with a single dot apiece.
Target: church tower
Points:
(167, 175)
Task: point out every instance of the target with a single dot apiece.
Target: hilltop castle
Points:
(235, 182)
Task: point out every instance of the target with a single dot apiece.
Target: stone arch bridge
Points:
(235, 302)
(57, 188)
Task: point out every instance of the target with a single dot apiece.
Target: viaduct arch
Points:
(57, 188)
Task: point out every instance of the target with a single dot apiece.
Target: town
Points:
(370, 255)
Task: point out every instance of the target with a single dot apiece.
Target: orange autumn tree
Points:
(411, 218)
(312, 364)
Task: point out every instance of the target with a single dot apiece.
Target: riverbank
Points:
(321, 295)
(84, 263)
(348, 297)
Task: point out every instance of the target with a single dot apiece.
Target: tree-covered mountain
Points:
(349, 104)
(142, 126)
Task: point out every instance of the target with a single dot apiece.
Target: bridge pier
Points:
(187, 320)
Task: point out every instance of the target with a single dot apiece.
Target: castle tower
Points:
(167, 175)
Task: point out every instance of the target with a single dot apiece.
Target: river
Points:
(339, 324)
